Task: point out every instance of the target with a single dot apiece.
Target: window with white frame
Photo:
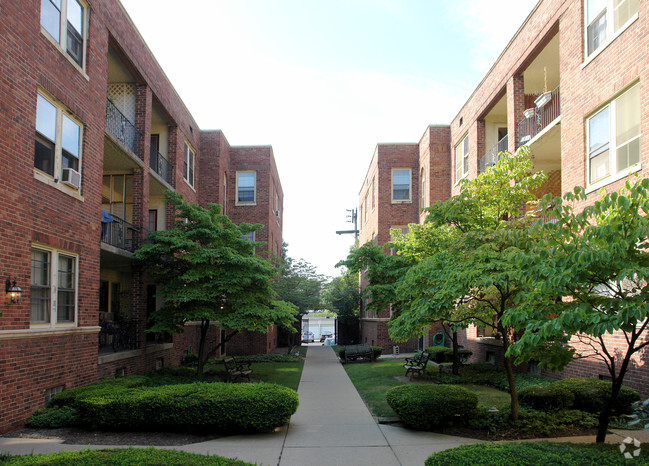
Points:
(422, 190)
(462, 159)
(58, 140)
(401, 184)
(53, 291)
(246, 184)
(65, 21)
(605, 18)
(614, 137)
(188, 164)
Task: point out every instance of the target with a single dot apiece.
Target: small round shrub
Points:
(548, 398)
(377, 350)
(428, 407)
(591, 395)
(53, 418)
(440, 354)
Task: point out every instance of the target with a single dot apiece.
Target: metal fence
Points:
(119, 233)
(492, 156)
(529, 127)
(160, 165)
(122, 129)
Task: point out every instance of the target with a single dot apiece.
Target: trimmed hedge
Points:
(428, 407)
(376, 350)
(53, 418)
(108, 386)
(488, 374)
(205, 407)
(585, 394)
(121, 456)
(441, 354)
(533, 453)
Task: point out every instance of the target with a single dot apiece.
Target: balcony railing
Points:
(492, 156)
(122, 129)
(120, 335)
(160, 165)
(528, 128)
(118, 233)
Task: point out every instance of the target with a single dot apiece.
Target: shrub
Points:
(548, 398)
(121, 456)
(441, 354)
(377, 350)
(265, 358)
(205, 407)
(591, 395)
(190, 360)
(531, 453)
(427, 407)
(488, 374)
(53, 418)
(108, 386)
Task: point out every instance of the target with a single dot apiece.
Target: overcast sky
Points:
(323, 82)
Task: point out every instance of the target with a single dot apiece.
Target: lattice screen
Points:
(123, 96)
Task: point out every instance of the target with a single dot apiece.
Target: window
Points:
(68, 16)
(401, 184)
(246, 187)
(58, 141)
(422, 190)
(373, 194)
(188, 165)
(605, 19)
(53, 287)
(462, 159)
(614, 137)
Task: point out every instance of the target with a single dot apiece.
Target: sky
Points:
(323, 82)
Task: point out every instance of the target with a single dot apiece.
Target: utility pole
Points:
(352, 217)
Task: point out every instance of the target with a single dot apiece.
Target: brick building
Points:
(572, 85)
(92, 135)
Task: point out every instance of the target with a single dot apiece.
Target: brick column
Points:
(480, 140)
(175, 157)
(515, 108)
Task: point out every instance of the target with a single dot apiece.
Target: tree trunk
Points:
(509, 367)
(456, 355)
(605, 415)
(205, 324)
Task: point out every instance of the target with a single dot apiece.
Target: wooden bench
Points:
(236, 370)
(416, 365)
(355, 352)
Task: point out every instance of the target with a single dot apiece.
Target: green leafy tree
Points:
(207, 272)
(342, 295)
(598, 261)
(464, 273)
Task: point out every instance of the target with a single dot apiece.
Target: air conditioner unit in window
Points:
(71, 178)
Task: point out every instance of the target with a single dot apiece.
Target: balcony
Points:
(492, 156)
(120, 335)
(530, 127)
(122, 129)
(160, 165)
(118, 233)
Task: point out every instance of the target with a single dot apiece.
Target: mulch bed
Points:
(73, 436)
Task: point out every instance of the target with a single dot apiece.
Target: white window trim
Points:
(46, 178)
(236, 192)
(54, 262)
(464, 173)
(611, 35)
(614, 176)
(401, 201)
(62, 46)
(186, 179)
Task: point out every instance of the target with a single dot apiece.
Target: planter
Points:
(543, 99)
(529, 113)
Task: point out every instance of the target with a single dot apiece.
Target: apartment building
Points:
(92, 135)
(572, 85)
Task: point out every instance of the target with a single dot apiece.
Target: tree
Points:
(598, 261)
(342, 296)
(469, 276)
(207, 272)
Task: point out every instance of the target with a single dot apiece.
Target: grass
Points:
(372, 380)
(282, 373)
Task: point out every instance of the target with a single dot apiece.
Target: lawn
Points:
(282, 373)
(372, 380)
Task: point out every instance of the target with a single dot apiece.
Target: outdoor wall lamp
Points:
(13, 291)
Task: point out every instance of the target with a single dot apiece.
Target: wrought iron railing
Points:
(120, 234)
(492, 156)
(119, 335)
(122, 129)
(160, 165)
(531, 126)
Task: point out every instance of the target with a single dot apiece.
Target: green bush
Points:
(377, 350)
(262, 358)
(441, 354)
(427, 407)
(53, 418)
(548, 398)
(488, 374)
(107, 386)
(121, 456)
(532, 453)
(204, 407)
(591, 395)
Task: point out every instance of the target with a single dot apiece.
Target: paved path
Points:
(332, 426)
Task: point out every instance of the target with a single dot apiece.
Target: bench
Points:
(416, 365)
(362, 351)
(236, 370)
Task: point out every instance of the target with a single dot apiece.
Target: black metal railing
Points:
(119, 335)
(531, 126)
(120, 234)
(160, 165)
(122, 129)
(492, 156)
